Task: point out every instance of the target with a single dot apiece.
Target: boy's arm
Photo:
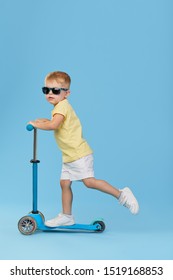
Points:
(48, 124)
(42, 120)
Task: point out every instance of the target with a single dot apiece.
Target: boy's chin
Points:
(53, 102)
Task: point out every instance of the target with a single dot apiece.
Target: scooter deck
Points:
(71, 228)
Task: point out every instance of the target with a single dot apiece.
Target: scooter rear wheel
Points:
(101, 225)
(27, 225)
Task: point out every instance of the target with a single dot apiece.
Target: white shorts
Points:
(78, 169)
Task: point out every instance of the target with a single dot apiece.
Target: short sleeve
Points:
(60, 108)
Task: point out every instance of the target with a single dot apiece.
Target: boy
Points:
(77, 155)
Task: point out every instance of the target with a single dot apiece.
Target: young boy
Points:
(77, 155)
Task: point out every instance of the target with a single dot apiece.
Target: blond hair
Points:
(60, 77)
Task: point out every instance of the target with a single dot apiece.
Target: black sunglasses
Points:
(56, 91)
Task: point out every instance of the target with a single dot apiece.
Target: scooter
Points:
(34, 221)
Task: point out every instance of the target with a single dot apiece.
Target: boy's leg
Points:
(64, 218)
(125, 196)
(67, 196)
(102, 186)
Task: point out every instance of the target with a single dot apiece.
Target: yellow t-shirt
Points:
(69, 135)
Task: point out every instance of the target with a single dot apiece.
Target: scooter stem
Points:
(34, 162)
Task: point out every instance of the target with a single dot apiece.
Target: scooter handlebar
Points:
(29, 127)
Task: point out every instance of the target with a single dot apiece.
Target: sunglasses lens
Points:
(56, 91)
(45, 90)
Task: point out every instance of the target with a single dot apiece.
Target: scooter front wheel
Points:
(27, 225)
(41, 214)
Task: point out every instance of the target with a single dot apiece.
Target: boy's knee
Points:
(65, 183)
(88, 182)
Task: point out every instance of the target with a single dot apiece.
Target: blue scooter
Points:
(35, 219)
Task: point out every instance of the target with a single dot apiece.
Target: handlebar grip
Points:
(29, 127)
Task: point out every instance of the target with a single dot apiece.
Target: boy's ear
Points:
(67, 93)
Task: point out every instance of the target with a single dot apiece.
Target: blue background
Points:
(119, 56)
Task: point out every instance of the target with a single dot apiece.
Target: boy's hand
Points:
(34, 123)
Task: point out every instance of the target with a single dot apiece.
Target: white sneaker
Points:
(128, 200)
(61, 220)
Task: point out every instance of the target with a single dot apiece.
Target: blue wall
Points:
(119, 56)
